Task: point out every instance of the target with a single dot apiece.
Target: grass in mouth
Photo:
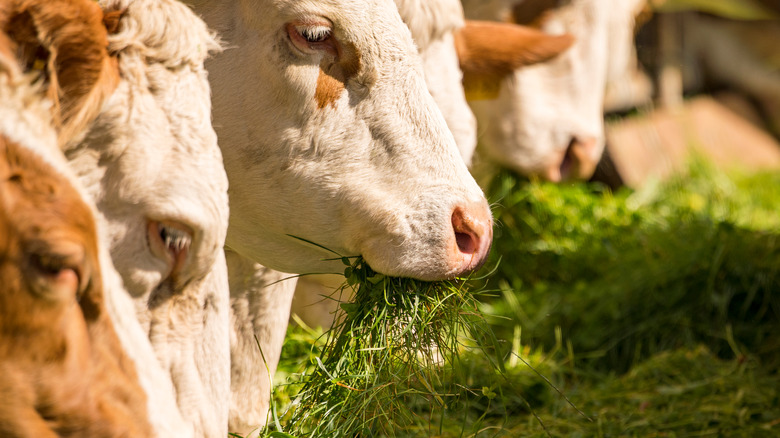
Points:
(388, 365)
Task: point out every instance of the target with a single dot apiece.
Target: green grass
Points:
(637, 314)
(624, 276)
(391, 362)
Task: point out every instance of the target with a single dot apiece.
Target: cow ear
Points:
(489, 51)
(66, 44)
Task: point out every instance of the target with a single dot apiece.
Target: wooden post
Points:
(670, 76)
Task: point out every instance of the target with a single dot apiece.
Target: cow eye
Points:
(58, 274)
(171, 242)
(312, 37)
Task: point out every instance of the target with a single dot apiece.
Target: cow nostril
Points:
(569, 161)
(466, 234)
(467, 244)
(580, 159)
(473, 231)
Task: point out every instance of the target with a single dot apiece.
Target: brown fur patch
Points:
(489, 51)
(335, 73)
(328, 89)
(68, 40)
(62, 370)
(112, 19)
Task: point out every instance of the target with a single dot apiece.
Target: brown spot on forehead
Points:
(335, 73)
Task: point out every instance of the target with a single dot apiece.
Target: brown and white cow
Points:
(458, 53)
(547, 120)
(63, 371)
(151, 164)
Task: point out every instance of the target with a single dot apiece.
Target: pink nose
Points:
(578, 162)
(473, 227)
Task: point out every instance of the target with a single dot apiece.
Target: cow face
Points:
(151, 163)
(330, 136)
(48, 238)
(547, 119)
(150, 159)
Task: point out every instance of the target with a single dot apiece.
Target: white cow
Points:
(443, 38)
(547, 119)
(150, 162)
(442, 34)
(329, 135)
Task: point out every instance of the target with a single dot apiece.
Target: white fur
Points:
(260, 304)
(542, 107)
(152, 155)
(430, 20)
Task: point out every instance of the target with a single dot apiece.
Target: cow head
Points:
(150, 158)
(151, 163)
(331, 139)
(547, 118)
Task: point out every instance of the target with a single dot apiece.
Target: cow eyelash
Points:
(170, 241)
(174, 239)
(315, 33)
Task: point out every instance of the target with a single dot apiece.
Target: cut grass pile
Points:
(655, 312)
(387, 366)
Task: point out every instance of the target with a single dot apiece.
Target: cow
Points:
(547, 120)
(458, 57)
(434, 26)
(63, 370)
(332, 144)
(150, 163)
(458, 53)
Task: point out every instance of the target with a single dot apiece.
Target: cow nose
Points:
(579, 160)
(473, 227)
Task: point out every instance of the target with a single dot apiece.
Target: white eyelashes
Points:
(314, 33)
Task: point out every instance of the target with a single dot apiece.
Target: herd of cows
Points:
(165, 164)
